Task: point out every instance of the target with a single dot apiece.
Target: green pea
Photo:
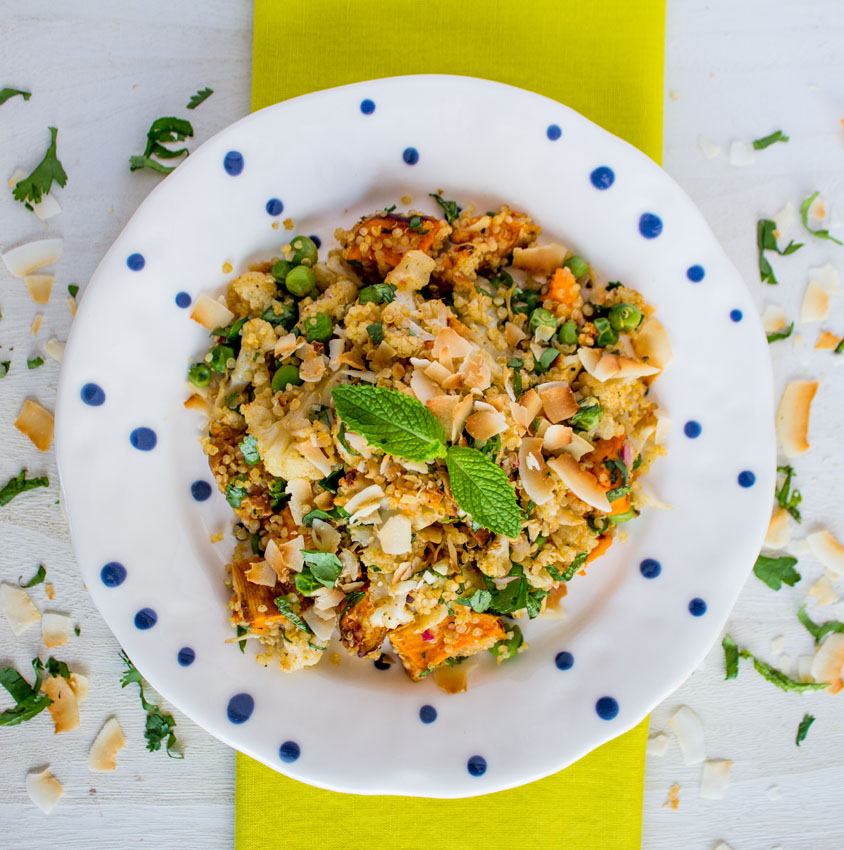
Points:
(625, 317)
(578, 266)
(542, 318)
(300, 281)
(568, 333)
(318, 328)
(284, 376)
(606, 334)
(280, 269)
(199, 375)
(304, 251)
(220, 356)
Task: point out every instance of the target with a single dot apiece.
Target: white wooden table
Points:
(100, 72)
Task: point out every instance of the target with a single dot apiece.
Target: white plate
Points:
(629, 636)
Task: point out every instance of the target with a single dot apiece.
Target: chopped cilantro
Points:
(277, 493)
(162, 131)
(554, 573)
(416, 225)
(249, 449)
(159, 725)
(4, 368)
(614, 285)
(376, 332)
(732, 654)
(819, 630)
(534, 602)
(377, 293)
(776, 572)
(199, 97)
(513, 596)
(39, 576)
(35, 363)
(325, 566)
(77, 631)
(545, 361)
(72, 288)
(20, 484)
(28, 700)
(803, 728)
(31, 189)
(317, 513)
(777, 335)
(450, 208)
(839, 349)
(235, 494)
(509, 647)
(804, 215)
(767, 141)
(786, 497)
(479, 601)
(767, 241)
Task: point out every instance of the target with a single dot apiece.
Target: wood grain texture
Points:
(101, 72)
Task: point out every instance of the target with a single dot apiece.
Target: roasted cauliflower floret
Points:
(254, 290)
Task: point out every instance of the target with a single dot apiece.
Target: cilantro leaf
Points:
(767, 241)
(481, 488)
(534, 602)
(317, 513)
(508, 647)
(325, 566)
(162, 131)
(450, 208)
(280, 498)
(513, 596)
(479, 601)
(387, 419)
(249, 449)
(819, 630)
(767, 141)
(235, 495)
(7, 93)
(776, 572)
(804, 215)
(377, 293)
(786, 497)
(199, 97)
(776, 335)
(776, 677)
(376, 332)
(286, 608)
(731, 656)
(31, 189)
(39, 576)
(28, 701)
(839, 349)
(20, 484)
(803, 728)
(58, 668)
(554, 573)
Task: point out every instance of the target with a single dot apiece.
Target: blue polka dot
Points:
(367, 106)
(607, 708)
(650, 568)
(476, 765)
(736, 315)
(143, 439)
(274, 206)
(289, 751)
(240, 708)
(692, 429)
(697, 607)
(381, 663)
(316, 240)
(113, 574)
(233, 163)
(410, 156)
(564, 660)
(602, 177)
(200, 490)
(186, 656)
(746, 478)
(145, 619)
(427, 714)
(650, 225)
(183, 300)
(695, 273)
(135, 262)
(92, 394)
(553, 132)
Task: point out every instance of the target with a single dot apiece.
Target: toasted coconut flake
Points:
(629, 368)
(708, 148)
(436, 372)
(442, 406)
(657, 744)
(741, 154)
(55, 349)
(779, 531)
(828, 551)
(36, 324)
(18, 608)
(532, 403)
(450, 344)
(513, 334)
(521, 415)
(300, 497)
(40, 286)
(827, 341)
(108, 743)
(55, 629)
(715, 778)
(476, 372)
(25, 259)
(285, 346)
(315, 455)
(673, 801)
(312, 367)
(793, 416)
(773, 319)
(211, 313)
(423, 387)
(37, 423)
(558, 401)
(198, 403)
(368, 495)
(663, 427)
(47, 207)
(533, 473)
(589, 357)
(828, 661)
(583, 484)
(261, 573)
(827, 277)
(461, 413)
(286, 557)
(485, 425)
(578, 446)
(71, 305)
(558, 437)
(651, 344)
(815, 307)
(321, 627)
(395, 535)
(335, 349)
(44, 790)
(64, 709)
(539, 260)
(689, 731)
(783, 220)
(79, 686)
(326, 537)
(823, 591)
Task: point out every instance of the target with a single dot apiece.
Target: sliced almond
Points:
(18, 608)
(484, 425)
(583, 484)
(55, 629)
(793, 416)
(64, 708)
(828, 551)
(815, 307)
(395, 536)
(533, 473)
(25, 259)
(211, 313)
(39, 286)
(651, 344)
(37, 423)
(558, 401)
(110, 740)
(44, 789)
(779, 531)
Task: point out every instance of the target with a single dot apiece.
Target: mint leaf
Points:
(450, 208)
(325, 566)
(31, 189)
(777, 335)
(766, 241)
(804, 214)
(376, 332)
(512, 597)
(387, 419)
(479, 601)
(803, 728)
(786, 497)
(28, 701)
(287, 609)
(819, 630)
(39, 576)
(481, 488)
(574, 566)
(776, 572)
(731, 654)
(377, 293)
(6, 93)
(200, 96)
(767, 141)
(20, 484)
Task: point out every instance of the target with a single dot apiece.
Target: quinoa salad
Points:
(426, 435)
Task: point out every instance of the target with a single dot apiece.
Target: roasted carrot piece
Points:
(604, 543)
(357, 634)
(564, 287)
(256, 601)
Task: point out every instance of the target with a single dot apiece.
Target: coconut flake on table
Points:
(44, 789)
(55, 629)
(110, 740)
(46, 208)
(18, 608)
(815, 306)
(792, 421)
(722, 845)
(26, 258)
(773, 319)
(39, 286)
(828, 661)
(210, 313)
(55, 349)
(783, 220)
(689, 733)
(71, 306)
(774, 793)
(777, 645)
(823, 591)
(741, 154)
(37, 423)
(828, 551)
(826, 277)
(827, 341)
(673, 800)
(778, 535)
(657, 744)
(64, 708)
(708, 148)
(715, 778)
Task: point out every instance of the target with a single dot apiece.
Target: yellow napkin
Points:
(604, 58)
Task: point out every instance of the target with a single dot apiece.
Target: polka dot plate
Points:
(143, 510)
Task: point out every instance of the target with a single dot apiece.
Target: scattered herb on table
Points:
(72, 288)
(804, 215)
(7, 93)
(20, 484)
(776, 572)
(819, 630)
(777, 335)
(4, 368)
(767, 241)
(839, 349)
(732, 654)
(35, 363)
(767, 141)
(786, 497)
(161, 132)
(159, 725)
(31, 189)
(450, 208)
(28, 701)
(803, 728)
(39, 576)
(201, 96)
